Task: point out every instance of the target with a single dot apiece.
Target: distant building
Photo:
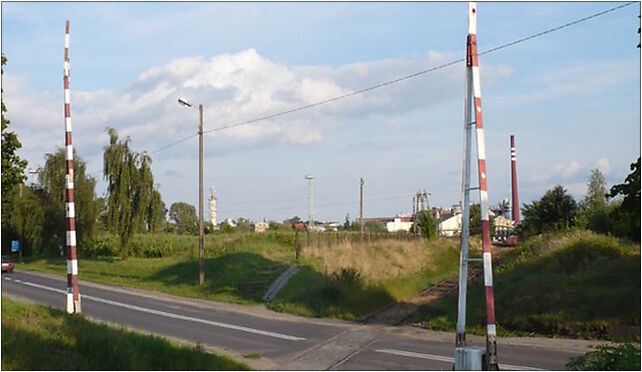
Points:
(401, 222)
(260, 226)
(450, 226)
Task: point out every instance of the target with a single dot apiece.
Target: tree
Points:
(592, 211)
(87, 207)
(426, 224)
(475, 221)
(375, 227)
(156, 212)
(628, 212)
(27, 221)
(12, 165)
(132, 205)
(554, 211)
(184, 215)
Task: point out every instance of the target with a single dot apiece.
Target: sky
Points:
(571, 98)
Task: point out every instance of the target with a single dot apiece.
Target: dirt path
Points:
(399, 312)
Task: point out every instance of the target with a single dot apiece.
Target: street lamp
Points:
(201, 254)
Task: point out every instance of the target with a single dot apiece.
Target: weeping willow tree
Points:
(132, 204)
(52, 179)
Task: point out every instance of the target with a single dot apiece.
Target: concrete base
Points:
(469, 358)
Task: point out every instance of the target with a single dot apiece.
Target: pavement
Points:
(284, 341)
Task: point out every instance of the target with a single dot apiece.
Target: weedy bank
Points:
(36, 337)
(352, 279)
(574, 284)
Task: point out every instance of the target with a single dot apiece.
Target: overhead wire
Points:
(397, 80)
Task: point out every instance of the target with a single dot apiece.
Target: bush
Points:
(621, 357)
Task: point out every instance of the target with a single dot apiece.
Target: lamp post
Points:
(201, 254)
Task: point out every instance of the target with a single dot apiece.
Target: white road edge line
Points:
(174, 316)
(449, 359)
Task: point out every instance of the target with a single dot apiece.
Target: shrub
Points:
(621, 357)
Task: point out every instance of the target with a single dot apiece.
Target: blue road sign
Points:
(15, 246)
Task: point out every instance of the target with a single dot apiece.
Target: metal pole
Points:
(472, 61)
(460, 339)
(361, 182)
(513, 160)
(201, 253)
(73, 295)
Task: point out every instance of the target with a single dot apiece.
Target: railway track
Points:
(397, 313)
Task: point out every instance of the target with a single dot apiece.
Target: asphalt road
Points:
(283, 341)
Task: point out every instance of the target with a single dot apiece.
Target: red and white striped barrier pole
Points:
(472, 62)
(73, 296)
(513, 159)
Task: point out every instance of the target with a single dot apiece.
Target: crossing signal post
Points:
(467, 358)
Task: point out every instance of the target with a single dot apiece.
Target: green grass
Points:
(240, 267)
(240, 277)
(576, 284)
(35, 337)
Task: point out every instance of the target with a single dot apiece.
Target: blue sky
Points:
(571, 98)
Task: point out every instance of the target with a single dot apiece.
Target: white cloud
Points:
(603, 165)
(233, 88)
(566, 170)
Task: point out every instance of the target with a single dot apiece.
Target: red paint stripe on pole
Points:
(490, 306)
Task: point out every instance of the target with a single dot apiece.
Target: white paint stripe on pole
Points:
(488, 270)
(68, 124)
(472, 17)
(71, 210)
(483, 202)
(481, 144)
(174, 316)
(74, 267)
(69, 184)
(66, 92)
(449, 359)
(70, 302)
(66, 40)
(70, 152)
(68, 266)
(491, 329)
(71, 238)
(476, 82)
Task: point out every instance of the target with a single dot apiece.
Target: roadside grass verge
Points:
(343, 279)
(351, 280)
(573, 284)
(36, 337)
(240, 277)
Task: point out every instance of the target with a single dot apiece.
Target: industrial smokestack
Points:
(514, 179)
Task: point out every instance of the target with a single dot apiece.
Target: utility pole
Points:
(468, 357)
(201, 252)
(361, 182)
(73, 295)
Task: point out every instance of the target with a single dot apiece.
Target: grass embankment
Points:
(575, 284)
(35, 337)
(339, 278)
(350, 280)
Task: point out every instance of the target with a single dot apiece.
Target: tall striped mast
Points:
(513, 166)
(473, 96)
(73, 295)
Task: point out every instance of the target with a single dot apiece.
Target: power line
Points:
(397, 80)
